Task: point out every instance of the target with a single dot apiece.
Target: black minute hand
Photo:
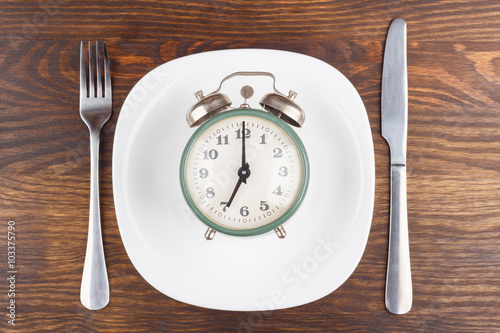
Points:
(244, 171)
(243, 152)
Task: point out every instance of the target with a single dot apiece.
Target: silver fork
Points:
(95, 110)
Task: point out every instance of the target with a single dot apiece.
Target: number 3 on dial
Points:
(244, 172)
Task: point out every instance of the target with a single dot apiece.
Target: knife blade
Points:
(394, 118)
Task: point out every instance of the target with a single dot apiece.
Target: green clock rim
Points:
(303, 160)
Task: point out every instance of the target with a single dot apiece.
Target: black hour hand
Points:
(243, 173)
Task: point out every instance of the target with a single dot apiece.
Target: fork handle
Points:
(94, 292)
(398, 288)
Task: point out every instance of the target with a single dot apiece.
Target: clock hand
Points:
(228, 204)
(243, 173)
(243, 152)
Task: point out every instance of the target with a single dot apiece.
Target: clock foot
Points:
(280, 231)
(210, 234)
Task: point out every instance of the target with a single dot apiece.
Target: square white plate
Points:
(164, 240)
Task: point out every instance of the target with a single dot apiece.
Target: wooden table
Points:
(453, 156)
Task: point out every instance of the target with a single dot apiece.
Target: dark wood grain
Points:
(453, 156)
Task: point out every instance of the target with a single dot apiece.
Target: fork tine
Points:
(83, 74)
(91, 73)
(107, 74)
(98, 70)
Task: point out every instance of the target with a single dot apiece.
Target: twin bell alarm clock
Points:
(244, 171)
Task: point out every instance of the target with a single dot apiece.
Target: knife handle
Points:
(398, 288)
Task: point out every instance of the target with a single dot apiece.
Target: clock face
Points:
(244, 172)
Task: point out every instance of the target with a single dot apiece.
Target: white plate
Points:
(165, 242)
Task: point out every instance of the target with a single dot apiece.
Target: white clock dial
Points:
(244, 172)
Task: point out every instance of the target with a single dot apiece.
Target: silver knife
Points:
(398, 289)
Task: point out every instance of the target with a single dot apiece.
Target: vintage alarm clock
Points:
(244, 171)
